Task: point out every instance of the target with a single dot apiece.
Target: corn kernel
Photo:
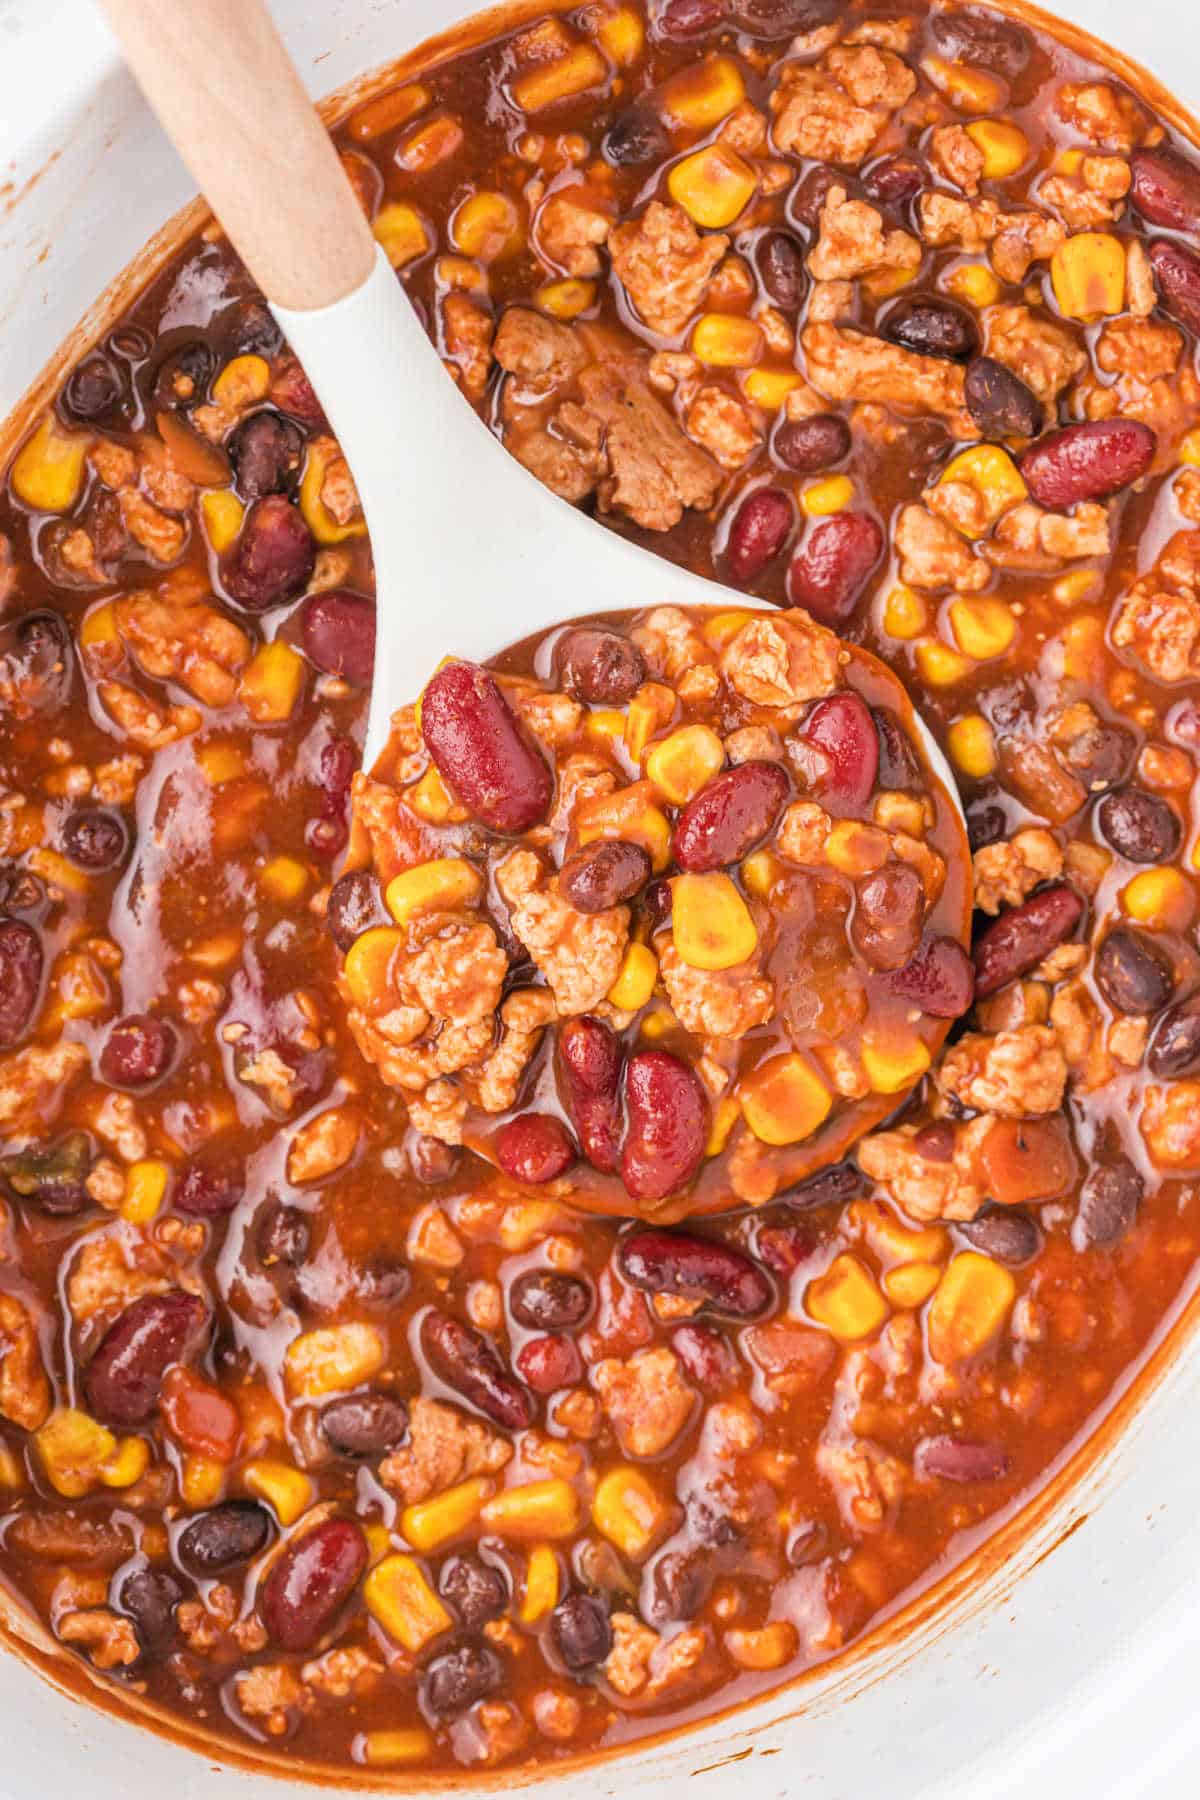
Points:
(1088, 275)
(332, 1359)
(700, 96)
(891, 1240)
(911, 1285)
(659, 1022)
(983, 628)
(1005, 147)
(201, 1480)
(73, 1446)
(542, 1585)
(680, 765)
(973, 284)
(972, 746)
(11, 1473)
(401, 230)
(769, 388)
(727, 341)
(145, 1191)
(272, 682)
(905, 614)
(622, 35)
(784, 1100)
(712, 185)
(432, 1522)
(990, 473)
(581, 68)
(446, 884)
(651, 707)
(972, 1301)
(893, 1064)
(1077, 585)
(970, 89)
(635, 979)
(1189, 447)
(941, 666)
(316, 514)
(895, 811)
(854, 848)
(57, 872)
(127, 1464)
(242, 381)
(383, 1749)
(47, 474)
(223, 514)
(768, 1647)
(710, 922)
(379, 1541)
(760, 871)
(629, 1511)
(606, 722)
(288, 1490)
(389, 111)
(283, 879)
(725, 1115)
(99, 627)
(367, 968)
(846, 1300)
(486, 226)
(219, 762)
(565, 299)
(1160, 898)
(398, 1597)
(430, 799)
(833, 495)
(537, 1509)
(724, 626)
(1067, 162)
(629, 814)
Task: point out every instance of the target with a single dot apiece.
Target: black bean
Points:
(1134, 974)
(1175, 1046)
(355, 904)
(266, 451)
(458, 1678)
(975, 35)
(549, 1300)
(1108, 1205)
(807, 445)
(95, 839)
(149, 1597)
(895, 179)
(93, 389)
(283, 1237)
(999, 402)
(829, 1187)
(780, 259)
(365, 1424)
(250, 329)
(224, 1537)
(1139, 826)
(580, 1631)
(635, 137)
(932, 328)
(1004, 1233)
(432, 1161)
(182, 377)
(680, 1585)
(477, 1592)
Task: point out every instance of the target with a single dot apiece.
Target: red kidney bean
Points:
(730, 814)
(696, 1268)
(1166, 188)
(1004, 1233)
(667, 1116)
(895, 180)
(833, 1186)
(783, 18)
(95, 839)
(274, 557)
(1108, 1205)
(898, 766)
(600, 667)
(635, 137)
(604, 874)
(482, 750)
(1133, 973)
(535, 1147)
(1139, 826)
(310, 1583)
(889, 907)
(208, 1191)
(945, 1458)
(974, 36)
(932, 328)
(138, 1051)
(266, 451)
(365, 1424)
(21, 962)
(707, 1356)
(549, 1300)
(293, 393)
(780, 260)
(549, 1363)
(1177, 271)
(999, 402)
(940, 979)
(337, 631)
(784, 1247)
(830, 569)
(761, 527)
(462, 1358)
(842, 730)
(591, 1058)
(679, 21)
(1018, 940)
(355, 904)
(1175, 1047)
(808, 445)
(223, 1537)
(1088, 462)
(458, 1679)
(125, 1376)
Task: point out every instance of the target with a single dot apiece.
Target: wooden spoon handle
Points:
(230, 99)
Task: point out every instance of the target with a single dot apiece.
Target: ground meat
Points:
(326, 1143)
(34, 1084)
(467, 341)
(1107, 116)
(847, 365)
(340, 1674)
(664, 265)
(725, 1003)
(150, 727)
(671, 644)
(646, 1398)
(782, 660)
(24, 1388)
(1170, 1125)
(867, 1482)
(439, 1112)
(1045, 355)
(722, 426)
(1017, 239)
(578, 953)
(644, 1664)
(853, 241)
(541, 352)
(271, 1693)
(957, 156)
(1013, 1074)
(109, 1640)
(1091, 197)
(653, 472)
(835, 110)
(934, 555)
(457, 976)
(523, 1018)
(444, 1447)
(1146, 349)
(921, 1186)
(1158, 620)
(802, 833)
(1007, 872)
(568, 233)
(111, 1271)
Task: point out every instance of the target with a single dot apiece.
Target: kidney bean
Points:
(696, 1268)
(895, 179)
(94, 388)
(365, 1424)
(667, 1125)
(482, 750)
(1177, 272)
(604, 874)
(266, 451)
(830, 569)
(999, 402)
(223, 1537)
(549, 1300)
(600, 667)
(477, 1592)
(985, 825)
(354, 906)
(249, 329)
(808, 445)
(1133, 973)
(658, 904)
(37, 662)
(973, 35)
(1018, 940)
(337, 632)
(833, 1186)
(1087, 462)
(432, 1161)
(898, 767)
(149, 1597)
(940, 979)
(95, 839)
(125, 1375)
(384, 1282)
(52, 1179)
(1006, 1234)
(462, 1358)
(935, 1141)
(679, 1585)
(761, 527)
(807, 199)
(1108, 1204)
(182, 376)
(138, 1051)
(1175, 1047)
(208, 1191)
(635, 137)
(274, 557)
(1139, 826)
(889, 907)
(780, 261)
(337, 763)
(535, 1147)
(283, 1237)
(549, 1363)
(21, 962)
(1024, 1160)
(580, 1631)
(842, 730)
(1166, 188)
(730, 814)
(311, 1581)
(591, 1058)
(707, 1356)
(293, 393)
(783, 18)
(784, 1247)
(932, 328)
(946, 1458)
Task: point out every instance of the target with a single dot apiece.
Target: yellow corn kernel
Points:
(712, 185)
(628, 814)
(894, 1063)
(401, 230)
(725, 1115)
(379, 1541)
(881, 284)
(316, 514)
(383, 1749)
(272, 682)
(538, 1509)
(833, 495)
(701, 95)
(727, 341)
(622, 35)
(760, 871)
(895, 811)
(288, 1490)
(629, 1511)
(486, 226)
(47, 474)
(1189, 447)
(1088, 274)
(430, 143)
(651, 707)
(911, 1284)
(398, 1597)
(432, 1522)
(367, 968)
(57, 872)
(710, 922)
(972, 746)
(784, 1100)
(581, 68)
(635, 979)
(940, 665)
(905, 614)
(893, 1241)
(680, 765)
(1082, 642)
(659, 1022)
(73, 1446)
(971, 90)
(606, 723)
(219, 763)
(223, 515)
(972, 1301)
(11, 1473)
(332, 1359)
(1076, 585)
(283, 879)
(99, 627)
(542, 1585)
(1068, 162)
(983, 628)
(127, 1464)
(768, 1647)
(201, 1480)
(388, 112)
(992, 474)
(1161, 898)
(973, 284)
(769, 388)
(565, 299)
(846, 1300)
(723, 626)
(855, 848)
(242, 381)
(447, 884)
(145, 1190)
(1005, 146)
(430, 799)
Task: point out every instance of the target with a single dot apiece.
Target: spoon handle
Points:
(219, 78)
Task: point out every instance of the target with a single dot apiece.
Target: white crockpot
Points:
(1063, 1662)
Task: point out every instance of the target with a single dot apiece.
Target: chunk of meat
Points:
(1008, 871)
(664, 265)
(1105, 115)
(543, 353)
(1047, 356)
(1017, 239)
(24, 1386)
(467, 330)
(933, 554)
(110, 1272)
(109, 1640)
(1158, 620)
(1029, 538)
(524, 1016)
(33, 1085)
(844, 364)
(347, 1672)
(578, 953)
(867, 1481)
(1147, 349)
(568, 232)
(803, 833)
(1014, 1074)
(271, 1694)
(150, 727)
(957, 156)
(444, 1447)
(324, 1145)
(836, 109)
(721, 425)
(1170, 1125)
(644, 1665)
(782, 660)
(724, 1004)
(159, 534)
(1091, 196)
(653, 472)
(924, 1187)
(646, 1398)
(853, 241)
(671, 644)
